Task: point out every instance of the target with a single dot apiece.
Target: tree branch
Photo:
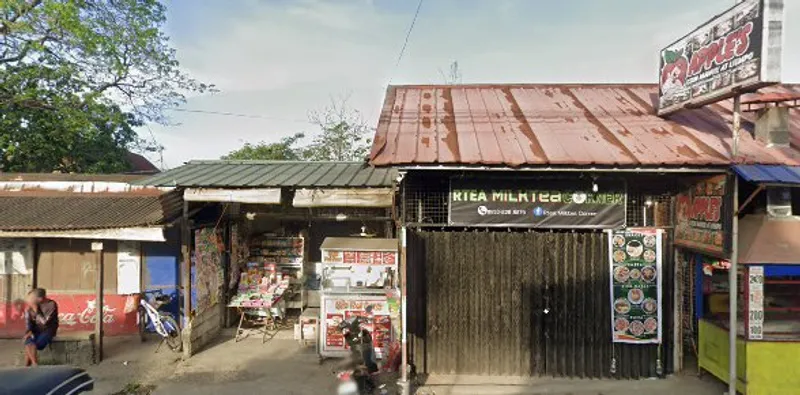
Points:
(5, 27)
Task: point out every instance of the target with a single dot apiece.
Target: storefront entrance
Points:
(520, 303)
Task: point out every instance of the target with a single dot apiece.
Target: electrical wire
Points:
(240, 115)
(405, 42)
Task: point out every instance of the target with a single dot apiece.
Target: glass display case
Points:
(356, 273)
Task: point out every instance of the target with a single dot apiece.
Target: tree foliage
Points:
(282, 150)
(343, 135)
(77, 75)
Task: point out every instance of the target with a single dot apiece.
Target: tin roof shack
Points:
(274, 211)
(507, 195)
(48, 227)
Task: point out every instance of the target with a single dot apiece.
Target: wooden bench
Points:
(71, 348)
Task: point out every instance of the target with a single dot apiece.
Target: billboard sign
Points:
(735, 52)
(539, 204)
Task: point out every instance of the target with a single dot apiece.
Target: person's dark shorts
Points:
(40, 340)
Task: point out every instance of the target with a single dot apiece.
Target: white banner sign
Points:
(128, 268)
(755, 314)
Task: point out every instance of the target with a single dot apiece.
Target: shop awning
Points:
(769, 240)
(133, 215)
(367, 197)
(154, 233)
(769, 174)
(254, 196)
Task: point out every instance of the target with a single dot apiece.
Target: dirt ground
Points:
(281, 366)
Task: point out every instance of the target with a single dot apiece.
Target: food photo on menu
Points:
(634, 260)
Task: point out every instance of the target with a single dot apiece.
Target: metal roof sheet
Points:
(769, 174)
(293, 174)
(566, 124)
(48, 210)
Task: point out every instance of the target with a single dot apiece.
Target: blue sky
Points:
(280, 59)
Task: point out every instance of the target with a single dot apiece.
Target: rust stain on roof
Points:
(563, 124)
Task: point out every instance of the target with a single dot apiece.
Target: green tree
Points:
(282, 150)
(77, 75)
(344, 134)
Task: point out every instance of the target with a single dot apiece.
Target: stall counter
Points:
(763, 367)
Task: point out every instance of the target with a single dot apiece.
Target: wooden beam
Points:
(186, 272)
(97, 247)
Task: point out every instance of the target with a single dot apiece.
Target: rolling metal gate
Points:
(520, 303)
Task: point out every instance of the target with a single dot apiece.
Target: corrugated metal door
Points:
(534, 303)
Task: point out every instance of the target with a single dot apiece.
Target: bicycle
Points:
(163, 323)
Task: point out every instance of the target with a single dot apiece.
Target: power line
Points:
(405, 42)
(240, 115)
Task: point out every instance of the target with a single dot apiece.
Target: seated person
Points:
(41, 317)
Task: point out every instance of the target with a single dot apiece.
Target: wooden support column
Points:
(186, 272)
(97, 247)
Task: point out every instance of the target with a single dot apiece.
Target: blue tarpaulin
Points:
(769, 174)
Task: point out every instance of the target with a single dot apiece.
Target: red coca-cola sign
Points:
(78, 313)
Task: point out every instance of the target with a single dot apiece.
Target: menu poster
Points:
(635, 267)
(333, 337)
(755, 315)
(379, 325)
(361, 257)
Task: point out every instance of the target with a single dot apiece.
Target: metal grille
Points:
(649, 200)
(686, 291)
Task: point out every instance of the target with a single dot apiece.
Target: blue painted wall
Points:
(162, 269)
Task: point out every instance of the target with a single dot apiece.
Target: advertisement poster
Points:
(129, 267)
(635, 260)
(755, 315)
(699, 223)
(340, 309)
(738, 50)
(550, 204)
(78, 313)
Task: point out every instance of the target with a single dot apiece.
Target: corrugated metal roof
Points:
(293, 174)
(48, 210)
(769, 174)
(567, 124)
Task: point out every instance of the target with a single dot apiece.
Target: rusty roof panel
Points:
(50, 210)
(566, 124)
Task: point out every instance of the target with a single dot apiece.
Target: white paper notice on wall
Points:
(128, 268)
(16, 256)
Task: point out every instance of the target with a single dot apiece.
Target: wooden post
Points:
(97, 247)
(186, 273)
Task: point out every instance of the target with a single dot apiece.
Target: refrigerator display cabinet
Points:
(356, 272)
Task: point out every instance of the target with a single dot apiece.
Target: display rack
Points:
(287, 254)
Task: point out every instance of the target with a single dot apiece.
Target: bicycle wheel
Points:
(141, 316)
(173, 338)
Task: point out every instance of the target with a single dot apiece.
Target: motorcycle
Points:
(358, 374)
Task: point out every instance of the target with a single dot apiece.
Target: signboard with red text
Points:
(700, 223)
(78, 313)
(737, 51)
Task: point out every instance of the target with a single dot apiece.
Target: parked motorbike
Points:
(358, 375)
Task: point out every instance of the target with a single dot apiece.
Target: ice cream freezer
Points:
(356, 273)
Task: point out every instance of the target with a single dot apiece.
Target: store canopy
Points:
(769, 240)
(769, 174)
(135, 215)
(273, 174)
(152, 233)
(254, 196)
(368, 197)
